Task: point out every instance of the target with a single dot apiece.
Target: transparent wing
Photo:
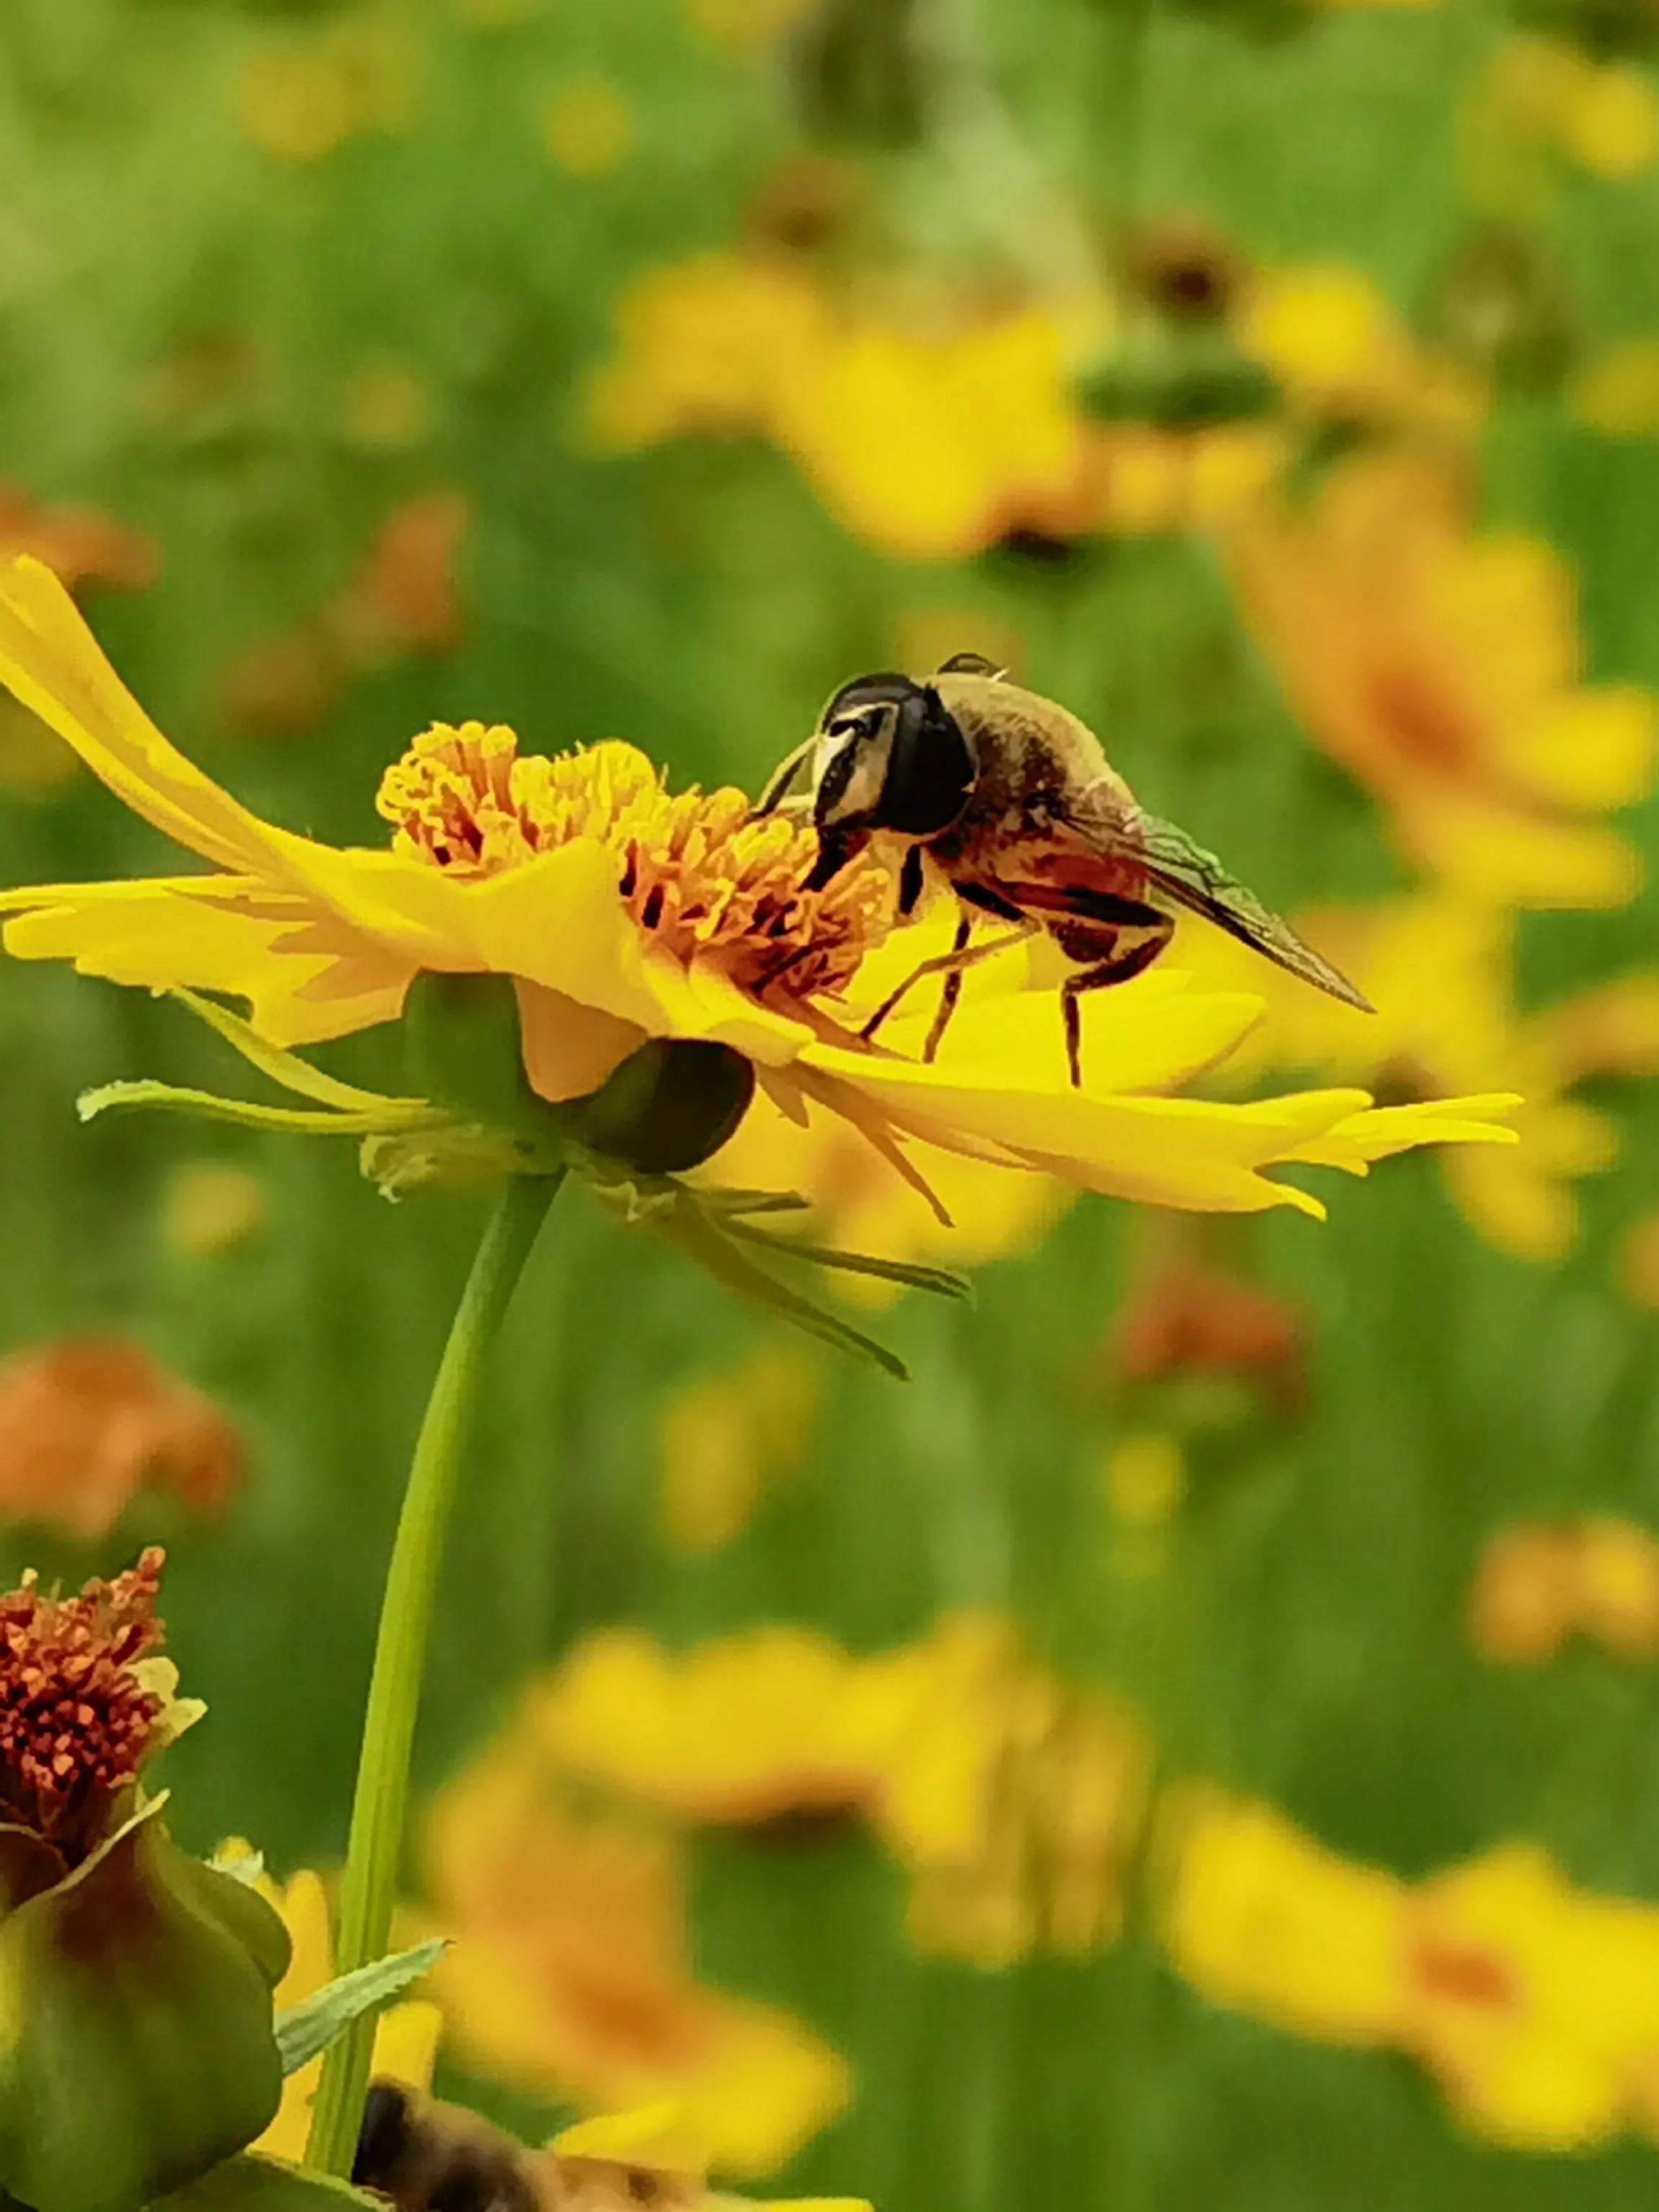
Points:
(1195, 880)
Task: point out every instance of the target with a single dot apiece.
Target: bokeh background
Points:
(1195, 1742)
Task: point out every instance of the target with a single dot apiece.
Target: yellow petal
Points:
(1504, 858)
(659, 2136)
(406, 2041)
(51, 661)
(191, 932)
(569, 1048)
(1591, 749)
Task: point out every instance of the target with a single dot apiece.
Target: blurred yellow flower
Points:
(727, 1436)
(1539, 1582)
(587, 127)
(621, 913)
(1523, 1604)
(405, 2036)
(1261, 1918)
(707, 347)
(1463, 1029)
(389, 405)
(925, 436)
(1534, 2005)
(1603, 115)
(210, 1206)
(569, 1973)
(1335, 346)
(742, 24)
(1012, 1798)
(1444, 669)
(1617, 390)
(302, 97)
(1145, 1477)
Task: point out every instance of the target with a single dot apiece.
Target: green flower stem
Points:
(368, 1892)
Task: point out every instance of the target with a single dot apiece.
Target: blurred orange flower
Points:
(1539, 1582)
(80, 544)
(569, 1976)
(86, 1424)
(1187, 1316)
(1444, 669)
(405, 597)
(1534, 2005)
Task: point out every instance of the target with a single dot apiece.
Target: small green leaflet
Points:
(305, 2029)
(254, 2184)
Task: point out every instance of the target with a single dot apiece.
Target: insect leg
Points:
(1117, 966)
(962, 955)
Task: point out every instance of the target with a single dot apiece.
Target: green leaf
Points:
(254, 2183)
(306, 2029)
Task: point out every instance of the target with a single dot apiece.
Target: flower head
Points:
(88, 1422)
(79, 1711)
(1442, 669)
(568, 1972)
(619, 917)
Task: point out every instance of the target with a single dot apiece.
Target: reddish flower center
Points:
(76, 1720)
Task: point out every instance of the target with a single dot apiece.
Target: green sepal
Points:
(137, 2046)
(306, 2029)
(254, 2183)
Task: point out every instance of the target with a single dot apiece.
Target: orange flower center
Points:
(700, 874)
(75, 1722)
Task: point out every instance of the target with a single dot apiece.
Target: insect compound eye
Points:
(930, 767)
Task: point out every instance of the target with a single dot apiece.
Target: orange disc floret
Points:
(702, 875)
(75, 1719)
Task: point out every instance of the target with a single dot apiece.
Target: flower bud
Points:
(137, 2046)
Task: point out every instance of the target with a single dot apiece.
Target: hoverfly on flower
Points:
(1011, 797)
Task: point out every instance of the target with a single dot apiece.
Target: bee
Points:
(429, 2157)
(1011, 799)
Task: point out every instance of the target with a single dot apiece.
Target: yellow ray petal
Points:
(54, 664)
(165, 934)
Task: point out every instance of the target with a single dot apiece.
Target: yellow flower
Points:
(1523, 1606)
(301, 98)
(1442, 669)
(726, 1436)
(1012, 1798)
(744, 24)
(208, 1207)
(568, 1974)
(1462, 1030)
(1534, 2005)
(1603, 115)
(1538, 1582)
(1261, 1918)
(1335, 346)
(405, 2037)
(1617, 390)
(588, 127)
(621, 913)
